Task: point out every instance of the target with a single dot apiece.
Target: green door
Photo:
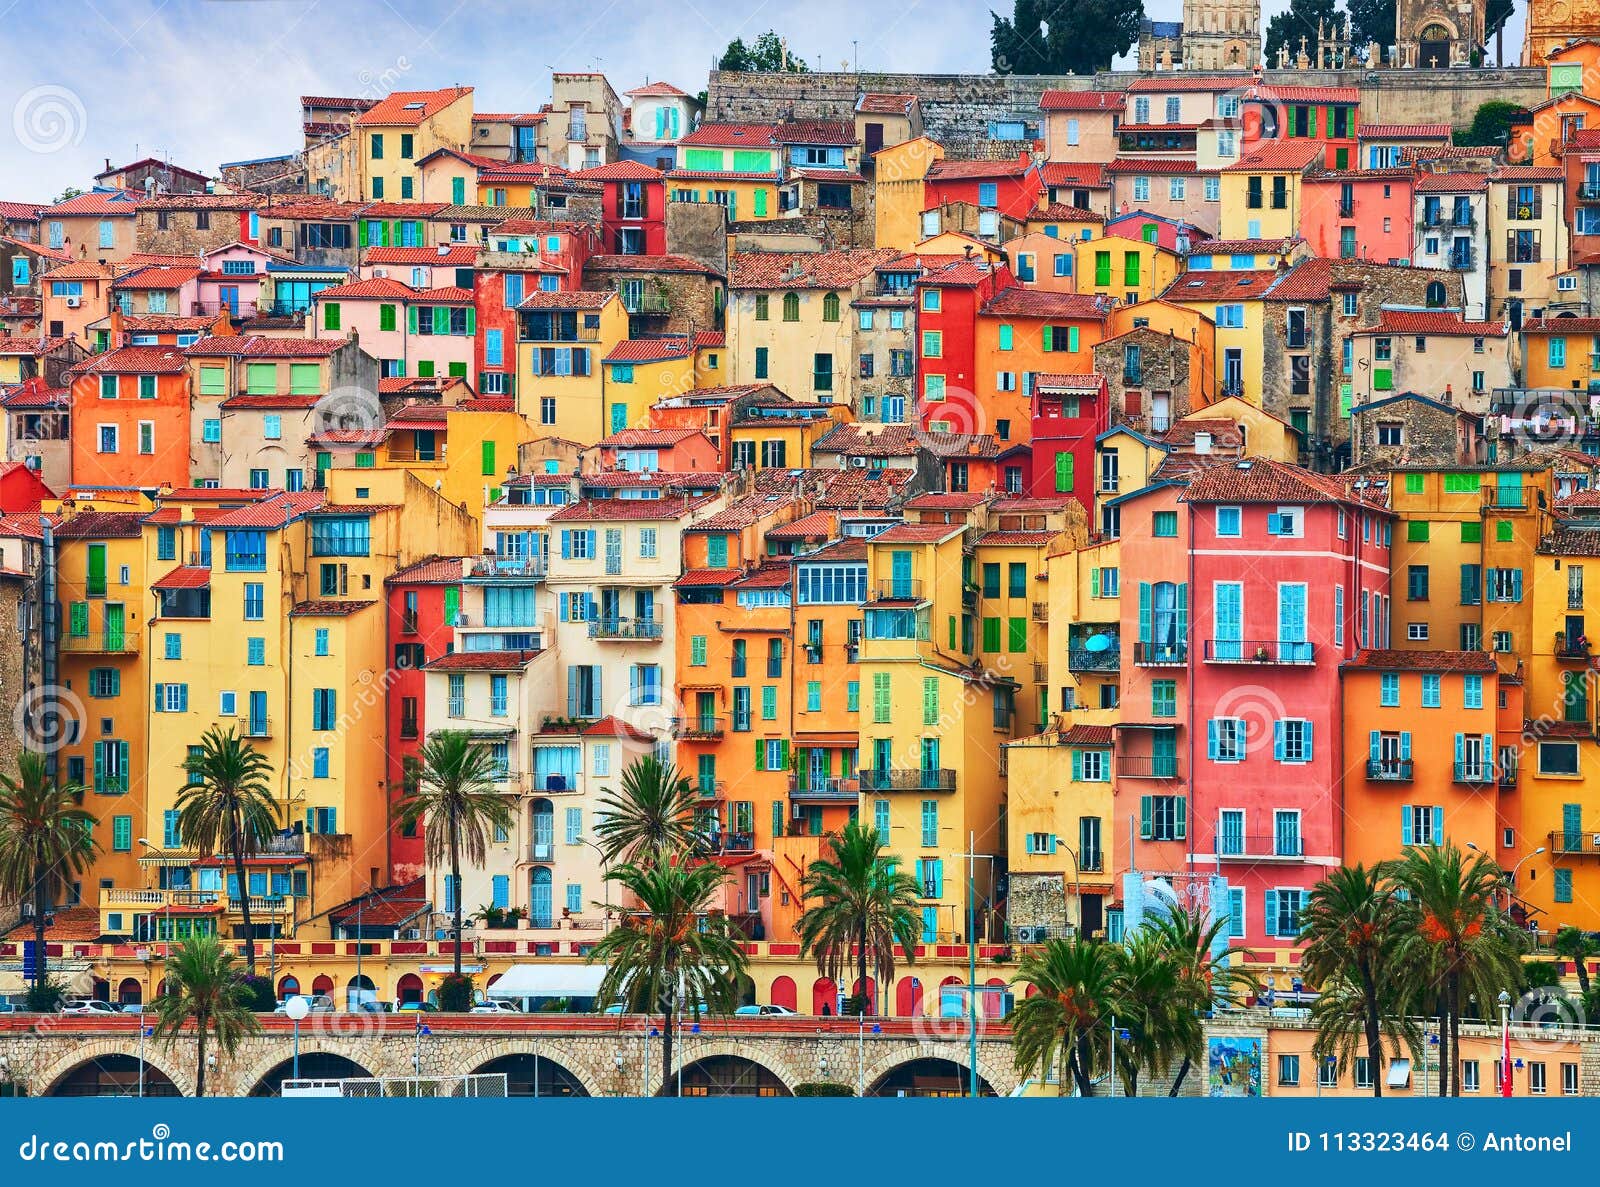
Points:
(96, 580)
(114, 635)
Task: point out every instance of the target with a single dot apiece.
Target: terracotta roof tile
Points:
(1570, 540)
(433, 570)
(572, 299)
(410, 107)
(100, 525)
(482, 661)
(329, 608)
(599, 510)
(882, 103)
(1025, 302)
(1381, 660)
(641, 263)
(731, 135)
(135, 360)
(272, 512)
(918, 533)
(1216, 286)
(261, 346)
(806, 270)
(184, 577)
(1404, 132)
(1088, 735)
(1082, 101)
(1073, 173)
(1017, 539)
(868, 440)
(1434, 322)
(1278, 156)
(649, 350)
(1263, 480)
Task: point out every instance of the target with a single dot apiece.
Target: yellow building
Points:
(1527, 241)
(1130, 270)
(773, 434)
(1232, 302)
(1261, 192)
(401, 130)
(562, 338)
(1561, 352)
(466, 448)
(900, 172)
(733, 165)
(640, 371)
(790, 322)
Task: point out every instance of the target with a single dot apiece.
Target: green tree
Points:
(225, 808)
(1150, 1005)
(1297, 21)
(205, 988)
(672, 954)
(1065, 1023)
(1491, 124)
(68, 194)
(454, 800)
(1351, 928)
(856, 900)
(1578, 946)
(765, 55)
(1455, 943)
(651, 818)
(1063, 36)
(1371, 21)
(46, 838)
(1209, 971)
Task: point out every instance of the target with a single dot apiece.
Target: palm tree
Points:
(204, 987)
(1150, 1007)
(453, 798)
(672, 954)
(652, 817)
(1209, 971)
(1576, 945)
(858, 900)
(46, 837)
(1455, 942)
(1065, 1021)
(226, 807)
(1350, 925)
(1340, 1017)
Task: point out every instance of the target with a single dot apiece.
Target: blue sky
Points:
(213, 80)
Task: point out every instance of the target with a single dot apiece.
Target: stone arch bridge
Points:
(49, 1055)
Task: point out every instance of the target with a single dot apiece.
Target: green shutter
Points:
(488, 468)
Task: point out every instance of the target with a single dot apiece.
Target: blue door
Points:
(257, 726)
(229, 293)
(540, 912)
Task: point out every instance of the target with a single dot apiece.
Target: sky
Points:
(207, 81)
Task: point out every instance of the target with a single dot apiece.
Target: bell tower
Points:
(1221, 34)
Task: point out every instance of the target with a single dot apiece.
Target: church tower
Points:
(1438, 34)
(1221, 34)
(1553, 23)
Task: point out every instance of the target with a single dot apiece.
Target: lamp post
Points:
(861, 1051)
(972, 959)
(605, 927)
(144, 1033)
(297, 1008)
(1505, 1042)
(1509, 879)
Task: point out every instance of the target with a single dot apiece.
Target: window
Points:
(1389, 689)
(1292, 740)
(1163, 817)
(1469, 1075)
(1282, 912)
(1288, 1070)
(1228, 521)
(1165, 523)
(1227, 739)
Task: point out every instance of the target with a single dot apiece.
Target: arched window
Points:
(830, 307)
(791, 306)
(1435, 294)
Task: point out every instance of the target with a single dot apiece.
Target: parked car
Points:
(320, 1003)
(133, 1007)
(7, 1007)
(85, 1005)
(615, 1008)
(373, 1007)
(497, 1006)
(418, 1008)
(768, 1011)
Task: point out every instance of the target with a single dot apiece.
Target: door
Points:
(1229, 612)
(1292, 645)
(114, 627)
(544, 830)
(426, 447)
(873, 140)
(96, 578)
(1232, 371)
(816, 769)
(540, 913)
(1160, 412)
(257, 723)
(229, 296)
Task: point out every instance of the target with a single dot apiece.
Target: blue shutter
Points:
(1144, 613)
(1180, 815)
(566, 544)
(1405, 744)
(1269, 917)
(1077, 766)
(1306, 734)
(1277, 741)
(1374, 746)
(1211, 739)
(572, 688)
(1438, 824)
(1405, 824)
(161, 699)
(502, 891)
(1146, 827)
(1183, 613)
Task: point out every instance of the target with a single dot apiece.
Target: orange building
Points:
(130, 418)
(1430, 753)
(1029, 332)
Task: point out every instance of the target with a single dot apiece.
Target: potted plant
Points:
(1261, 653)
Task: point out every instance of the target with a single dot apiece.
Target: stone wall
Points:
(1163, 367)
(182, 234)
(698, 230)
(1429, 435)
(1036, 900)
(691, 298)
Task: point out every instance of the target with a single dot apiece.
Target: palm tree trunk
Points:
(1453, 1011)
(455, 884)
(200, 1058)
(1369, 1010)
(236, 841)
(668, 1083)
(41, 879)
(1183, 1070)
(861, 968)
(1080, 1061)
(1580, 965)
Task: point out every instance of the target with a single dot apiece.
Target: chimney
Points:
(1449, 396)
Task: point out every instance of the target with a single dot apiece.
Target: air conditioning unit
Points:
(860, 463)
(379, 272)
(74, 302)
(799, 812)
(1032, 935)
(461, 619)
(1595, 840)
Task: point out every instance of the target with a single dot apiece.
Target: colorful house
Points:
(131, 422)
(633, 208)
(561, 339)
(736, 166)
(401, 130)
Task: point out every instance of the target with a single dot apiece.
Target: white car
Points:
(84, 1005)
(320, 1003)
(496, 1007)
(768, 1011)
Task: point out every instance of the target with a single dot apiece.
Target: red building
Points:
(1010, 187)
(420, 603)
(21, 489)
(1068, 412)
(633, 213)
(1324, 114)
(523, 256)
(949, 294)
(1288, 578)
(1361, 214)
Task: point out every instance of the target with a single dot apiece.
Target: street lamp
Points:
(297, 1009)
(605, 866)
(1510, 879)
(1505, 1042)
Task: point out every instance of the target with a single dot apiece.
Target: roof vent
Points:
(1243, 465)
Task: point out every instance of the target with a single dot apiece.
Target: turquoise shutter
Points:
(1145, 828)
(1461, 749)
(1405, 745)
(1211, 739)
(1374, 746)
(1181, 806)
(411, 319)
(1405, 824)
(1077, 766)
(1438, 824)
(1307, 733)
(1277, 741)
(1144, 613)
(1183, 613)
(1269, 914)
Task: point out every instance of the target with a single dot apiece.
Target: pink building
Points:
(422, 267)
(411, 332)
(1143, 227)
(230, 280)
(1358, 214)
(1288, 577)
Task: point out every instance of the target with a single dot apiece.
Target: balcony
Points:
(1505, 499)
(908, 779)
(264, 908)
(700, 729)
(1260, 651)
(1160, 655)
(1147, 766)
(117, 896)
(1582, 843)
(1041, 612)
(1508, 776)
(896, 589)
(1573, 648)
(1473, 774)
(506, 568)
(258, 727)
(212, 308)
(1589, 191)
(1463, 260)
(1260, 847)
(1082, 659)
(1347, 209)
(1041, 673)
(1389, 770)
(105, 643)
(625, 628)
(418, 457)
(803, 788)
(711, 791)
(969, 595)
(648, 301)
(541, 850)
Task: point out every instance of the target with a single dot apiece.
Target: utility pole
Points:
(972, 857)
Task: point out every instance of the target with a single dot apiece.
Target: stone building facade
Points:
(1412, 430)
(1221, 34)
(662, 294)
(1156, 395)
(190, 224)
(1438, 34)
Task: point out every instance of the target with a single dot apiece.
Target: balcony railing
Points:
(104, 643)
(1583, 843)
(908, 779)
(649, 301)
(1463, 260)
(1572, 647)
(418, 456)
(896, 589)
(509, 566)
(1260, 847)
(1147, 766)
(258, 727)
(542, 850)
(804, 787)
(1474, 773)
(1081, 659)
(710, 791)
(1259, 651)
(1589, 191)
(700, 728)
(1160, 655)
(1389, 770)
(626, 628)
(1508, 774)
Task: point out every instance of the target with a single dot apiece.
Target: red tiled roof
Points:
(389, 907)
(621, 171)
(102, 204)
(836, 132)
(1054, 381)
(1088, 735)
(644, 438)
(1263, 480)
(157, 277)
(1215, 286)
(716, 135)
(596, 510)
(1134, 165)
(961, 273)
(1082, 101)
(1561, 325)
(718, 175)
(285, 402)
(1080, 173)
(185, 577)
(806, 269)
(1278, 156)
(649, 350)
(329, 608)
(1061, 212)
(774, 575)
(817, 525)
(259, 346)
(34, 394)
(454, 255)
(949, 170)
(741, 514)
(433, 570)
(918, 533)
(660, 263)
(613, 727)
(1175, 83)
(1026, 302)
(657, 88)
(165, 323)
(100, 525)
(32, 347)
(482, 661)
(710, 340)
(1293, 94)
(868, 440)
(708, 577)
(272, 512)
(881, 103)
(25, 212)
(934, 500)
(1451, 183)
(1434, 322)
(410, 107)
(572, 299)
(1526, 173)
(861, 491)
(379, 288)
(134, 360)
(1404, 132)
(402, 209)
(1018, 539)
(1422, 661)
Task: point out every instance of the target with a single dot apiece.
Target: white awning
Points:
(549, 980)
